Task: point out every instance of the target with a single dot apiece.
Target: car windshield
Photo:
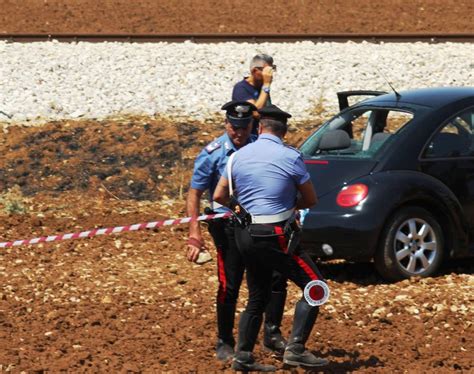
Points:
(356, 133)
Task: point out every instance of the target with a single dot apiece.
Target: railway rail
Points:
(259, 38)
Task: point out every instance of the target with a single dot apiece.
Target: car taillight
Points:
(352, 195)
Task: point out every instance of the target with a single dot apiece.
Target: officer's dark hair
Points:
(275, 126)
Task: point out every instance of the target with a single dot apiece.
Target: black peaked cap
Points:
(239, 113)
(273, 112)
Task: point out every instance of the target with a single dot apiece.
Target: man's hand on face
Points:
(267, 75)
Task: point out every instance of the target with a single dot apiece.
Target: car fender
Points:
(405, 187)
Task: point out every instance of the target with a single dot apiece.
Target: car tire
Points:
(412, 244)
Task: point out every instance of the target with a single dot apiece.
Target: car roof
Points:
(431, 97)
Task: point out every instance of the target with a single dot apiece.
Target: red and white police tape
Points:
(113, 230)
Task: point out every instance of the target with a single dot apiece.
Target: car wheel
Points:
(411, 245)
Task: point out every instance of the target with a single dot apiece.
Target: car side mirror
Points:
(334, 140)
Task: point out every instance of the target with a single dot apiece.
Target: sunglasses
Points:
(274, 67)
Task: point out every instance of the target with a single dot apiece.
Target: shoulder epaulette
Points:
(213, 146)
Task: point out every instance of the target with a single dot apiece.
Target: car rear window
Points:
(356, 133)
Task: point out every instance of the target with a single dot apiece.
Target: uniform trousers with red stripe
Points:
(262, 256)
(230, 271)
(230, 265)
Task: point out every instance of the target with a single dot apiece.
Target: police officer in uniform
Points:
(208, 168)
(271, 182)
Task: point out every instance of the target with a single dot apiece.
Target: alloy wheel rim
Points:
(415, 245)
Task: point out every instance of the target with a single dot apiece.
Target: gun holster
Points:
(208, 210)
(239, 214)
(294, 238)
(214, 223)
(291, 231)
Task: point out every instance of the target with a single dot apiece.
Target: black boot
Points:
(295, 352)
(296, 355)
(249, 326)
(244, 361)
(225, 325)
(272, 339)
(224, 351)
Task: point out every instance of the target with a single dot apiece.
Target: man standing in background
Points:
(256, 87)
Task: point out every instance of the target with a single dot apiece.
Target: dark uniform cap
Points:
(273, 112)
(239, 113)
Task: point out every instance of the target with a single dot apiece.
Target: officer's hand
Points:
(267, 75)
(195, 246)
(193, 253)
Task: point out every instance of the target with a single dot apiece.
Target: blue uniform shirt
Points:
(265, 175)
(210, 165)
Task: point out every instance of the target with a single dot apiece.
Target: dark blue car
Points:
(395, 178)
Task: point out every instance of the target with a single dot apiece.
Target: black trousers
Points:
(230, 264)
(263, 255)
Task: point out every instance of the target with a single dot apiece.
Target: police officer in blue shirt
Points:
(208, 168)
(271, 182)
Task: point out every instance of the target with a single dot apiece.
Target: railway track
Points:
(260, 38)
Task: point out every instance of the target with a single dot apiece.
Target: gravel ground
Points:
(50, 81)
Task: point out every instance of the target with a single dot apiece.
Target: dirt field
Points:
(214, 16)
(131, 302)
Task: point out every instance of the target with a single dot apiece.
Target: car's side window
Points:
(454, 139)
(396, 120)
(385, 124)
(358, 125)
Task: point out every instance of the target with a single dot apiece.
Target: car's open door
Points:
(343, 96)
